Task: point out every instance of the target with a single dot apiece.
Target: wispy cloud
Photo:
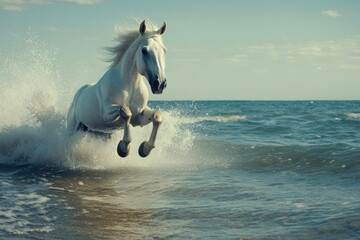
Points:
(83, 2)
(331, 13)
(343, 54)
(311, 49)
(21, 5)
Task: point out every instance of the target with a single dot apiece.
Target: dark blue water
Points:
(221, 170)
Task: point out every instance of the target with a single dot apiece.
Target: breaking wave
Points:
(355, 116)
(221, 119)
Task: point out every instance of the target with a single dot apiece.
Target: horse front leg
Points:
(123, 148)
(156, 118)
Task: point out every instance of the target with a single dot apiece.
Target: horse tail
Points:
(72, 122)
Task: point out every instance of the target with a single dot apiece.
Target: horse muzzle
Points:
(157, 86)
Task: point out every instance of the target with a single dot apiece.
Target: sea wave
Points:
(23, 210)
(355, 116)
(326, 158)
(221, 119)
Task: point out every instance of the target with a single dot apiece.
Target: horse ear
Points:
(142, 28)
(162, 29)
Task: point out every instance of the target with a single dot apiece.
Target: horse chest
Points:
(136, 105)
(138, 98)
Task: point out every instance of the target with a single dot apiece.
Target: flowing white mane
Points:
(126, 37)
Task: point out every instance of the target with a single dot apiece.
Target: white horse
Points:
(120, 97)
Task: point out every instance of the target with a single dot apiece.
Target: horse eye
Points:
(144, 51)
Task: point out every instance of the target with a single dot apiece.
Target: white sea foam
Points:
(353, 116)
(224, 119)
(25, 212)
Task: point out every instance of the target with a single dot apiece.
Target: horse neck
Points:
(127, 66)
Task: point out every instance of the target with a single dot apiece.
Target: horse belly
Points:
(91, 116)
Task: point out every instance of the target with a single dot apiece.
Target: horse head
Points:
(150, 58)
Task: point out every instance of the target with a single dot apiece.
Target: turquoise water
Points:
(221, 170)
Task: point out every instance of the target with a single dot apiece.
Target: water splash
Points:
(32, 123)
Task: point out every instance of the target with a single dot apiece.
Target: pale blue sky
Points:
(226, 49)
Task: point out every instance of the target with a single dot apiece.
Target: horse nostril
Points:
(156, 84)
(163, 85)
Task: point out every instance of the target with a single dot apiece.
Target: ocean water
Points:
(220, 170)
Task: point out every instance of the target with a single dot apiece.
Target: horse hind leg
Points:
(123, 148)
(146, 147)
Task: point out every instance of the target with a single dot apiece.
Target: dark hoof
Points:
(122, 153)
(143, 151)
